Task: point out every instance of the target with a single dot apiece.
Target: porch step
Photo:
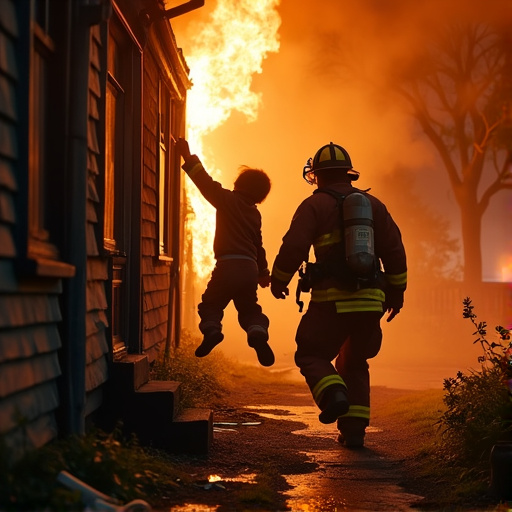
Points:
(158, 401)
(191, 432)
(151, 409)
(130, 372)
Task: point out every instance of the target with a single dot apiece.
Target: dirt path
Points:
(271, 453)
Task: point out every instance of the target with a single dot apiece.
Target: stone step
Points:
(158, 400)
(153, 406)
(192, 432)
(151, 409)
(130, 372)
(157, 421)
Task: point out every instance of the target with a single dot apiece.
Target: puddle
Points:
(344, 480)
(319, 505)
(307, 414)
(190, 507)
(212, 483)
(247, 478)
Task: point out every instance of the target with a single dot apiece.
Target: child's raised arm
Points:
(183, 149)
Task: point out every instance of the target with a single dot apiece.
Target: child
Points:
(241, 262)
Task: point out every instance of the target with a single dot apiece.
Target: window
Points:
(113, 143)
(40, 126)
(121, 212)
(168, 177)
(164, 171)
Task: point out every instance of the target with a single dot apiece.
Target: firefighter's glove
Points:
(264, 281)
(279, 289)
(393, 303)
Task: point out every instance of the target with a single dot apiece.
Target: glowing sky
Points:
(328, 82)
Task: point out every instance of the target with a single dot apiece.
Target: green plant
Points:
(113, 465)
(203, 380)
(478, 407)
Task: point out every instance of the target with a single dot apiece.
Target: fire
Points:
(506, 272)
(227, 51)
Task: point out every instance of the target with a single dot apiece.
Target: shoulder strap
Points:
(337, 195)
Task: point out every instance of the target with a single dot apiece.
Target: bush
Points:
(478, 408)
(203, 380)
(113, 465)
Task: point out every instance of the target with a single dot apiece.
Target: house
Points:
(92, 93)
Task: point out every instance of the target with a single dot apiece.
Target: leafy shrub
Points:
(203, 380)
(478, 405)
(111, 464)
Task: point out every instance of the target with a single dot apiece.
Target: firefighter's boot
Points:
(352, 432)
(212, 337)
(257, 338)
(334, 403)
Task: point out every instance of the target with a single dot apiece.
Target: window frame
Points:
(42, 223)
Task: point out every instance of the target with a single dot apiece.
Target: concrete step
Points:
(151, 409)
(158, 400)
(130, 372)
(192, 432)
(157, 421)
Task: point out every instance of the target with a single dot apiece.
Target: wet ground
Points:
(344, 479)
(275, 430)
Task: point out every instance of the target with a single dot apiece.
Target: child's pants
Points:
(232, 280)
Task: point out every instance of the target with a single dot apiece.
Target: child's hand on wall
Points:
(183, 149)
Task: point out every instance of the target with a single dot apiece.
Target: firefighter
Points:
(344, 313)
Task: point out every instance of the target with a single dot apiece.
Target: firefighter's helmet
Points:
(330, 156)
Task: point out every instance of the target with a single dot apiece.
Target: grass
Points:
(112, 463)
(206, 381)
(117, 465)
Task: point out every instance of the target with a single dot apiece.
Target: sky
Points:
(326, 81)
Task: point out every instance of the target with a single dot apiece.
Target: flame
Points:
(227, 51)
(506, 272)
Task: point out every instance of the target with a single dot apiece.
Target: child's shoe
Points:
(257, 337)
(212, 337)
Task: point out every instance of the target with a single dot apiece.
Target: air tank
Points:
(359, 236)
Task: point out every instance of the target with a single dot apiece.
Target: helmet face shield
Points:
(308, 173)
(330, 156)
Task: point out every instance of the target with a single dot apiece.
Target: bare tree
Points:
(460, 91)
(434, 256)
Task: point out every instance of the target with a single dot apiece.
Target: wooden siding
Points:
(29, 316)
(44, 320)
(97, 347)
(155, 273)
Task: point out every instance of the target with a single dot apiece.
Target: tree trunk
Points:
(471, 224)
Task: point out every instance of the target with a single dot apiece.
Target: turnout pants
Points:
(352, 338)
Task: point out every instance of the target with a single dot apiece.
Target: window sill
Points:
(165, 259)
(43, 267)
